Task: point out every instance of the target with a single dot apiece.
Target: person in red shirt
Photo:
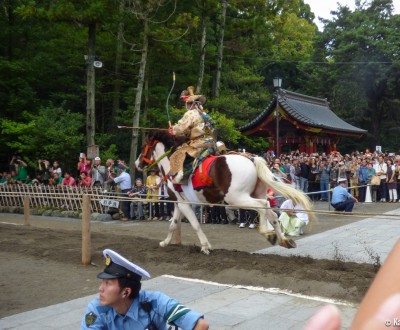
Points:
(85, 180)
(271, 198)
(68, 180)
(84, 164)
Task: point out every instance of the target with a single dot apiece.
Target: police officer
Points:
(342, 200)
(122, 305)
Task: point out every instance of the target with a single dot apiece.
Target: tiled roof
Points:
(312, 111)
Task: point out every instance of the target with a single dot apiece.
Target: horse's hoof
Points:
(162, 244)
(288, 243)
(205, 250)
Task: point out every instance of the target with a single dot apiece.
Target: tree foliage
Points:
(353, 63)
(51, 134)
(362, 49)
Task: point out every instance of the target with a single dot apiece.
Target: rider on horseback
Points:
(198, 129)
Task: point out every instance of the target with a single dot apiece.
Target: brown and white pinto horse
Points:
(236, 180)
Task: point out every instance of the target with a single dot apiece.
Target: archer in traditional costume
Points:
(198, 129)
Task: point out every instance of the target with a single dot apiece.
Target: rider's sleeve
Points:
(189, 120)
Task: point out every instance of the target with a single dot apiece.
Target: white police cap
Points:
(119, 267)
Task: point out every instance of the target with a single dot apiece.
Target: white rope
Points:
(45, 194)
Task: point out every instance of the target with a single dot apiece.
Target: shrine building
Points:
(300, 122)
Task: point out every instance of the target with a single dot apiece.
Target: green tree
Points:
(42, 44)
(52, 134)
(362, 47)
(90, 14)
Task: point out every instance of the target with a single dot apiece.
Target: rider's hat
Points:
(188, 96)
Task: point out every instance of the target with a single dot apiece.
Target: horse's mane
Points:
(164, 137)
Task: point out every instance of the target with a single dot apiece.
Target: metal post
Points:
(329, 196)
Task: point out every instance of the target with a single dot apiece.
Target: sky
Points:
(322, 8)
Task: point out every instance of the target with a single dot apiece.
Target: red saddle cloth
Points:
(200, 177)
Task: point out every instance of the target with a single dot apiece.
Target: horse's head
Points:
(155, 145)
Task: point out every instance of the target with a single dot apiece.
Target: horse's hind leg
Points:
(176, 218)
(265, 227)
(265, 212)
(277, 235)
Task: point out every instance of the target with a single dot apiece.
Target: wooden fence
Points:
(63, 197)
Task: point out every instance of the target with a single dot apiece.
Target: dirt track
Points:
(41, 263)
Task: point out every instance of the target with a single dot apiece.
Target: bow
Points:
(169, 94)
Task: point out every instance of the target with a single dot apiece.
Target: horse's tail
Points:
(266, 176)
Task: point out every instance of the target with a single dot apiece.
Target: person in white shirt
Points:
(292, 220)
(56, 168)
(125, 183)
(381, 170)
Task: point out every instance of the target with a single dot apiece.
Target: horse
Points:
(236, 180)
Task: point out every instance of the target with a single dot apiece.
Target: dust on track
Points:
(41, 264)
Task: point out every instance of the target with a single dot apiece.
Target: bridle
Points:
(147, 156)
(148, 151)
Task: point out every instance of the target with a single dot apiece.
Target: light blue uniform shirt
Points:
(124, 180)
(163, 309)
(339, 194)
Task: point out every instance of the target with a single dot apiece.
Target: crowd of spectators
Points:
(314, 174)
(113, 177)
(85, 174)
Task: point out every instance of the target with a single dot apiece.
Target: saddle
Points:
(200, 178)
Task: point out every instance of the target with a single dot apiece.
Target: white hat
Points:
(97, 158)
(342, 180)
(119, 267)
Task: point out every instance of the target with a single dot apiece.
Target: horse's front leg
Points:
(176, 218)
(191, 216)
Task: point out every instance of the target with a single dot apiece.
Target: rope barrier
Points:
(99, 194)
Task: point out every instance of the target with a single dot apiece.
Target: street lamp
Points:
(277, 85)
